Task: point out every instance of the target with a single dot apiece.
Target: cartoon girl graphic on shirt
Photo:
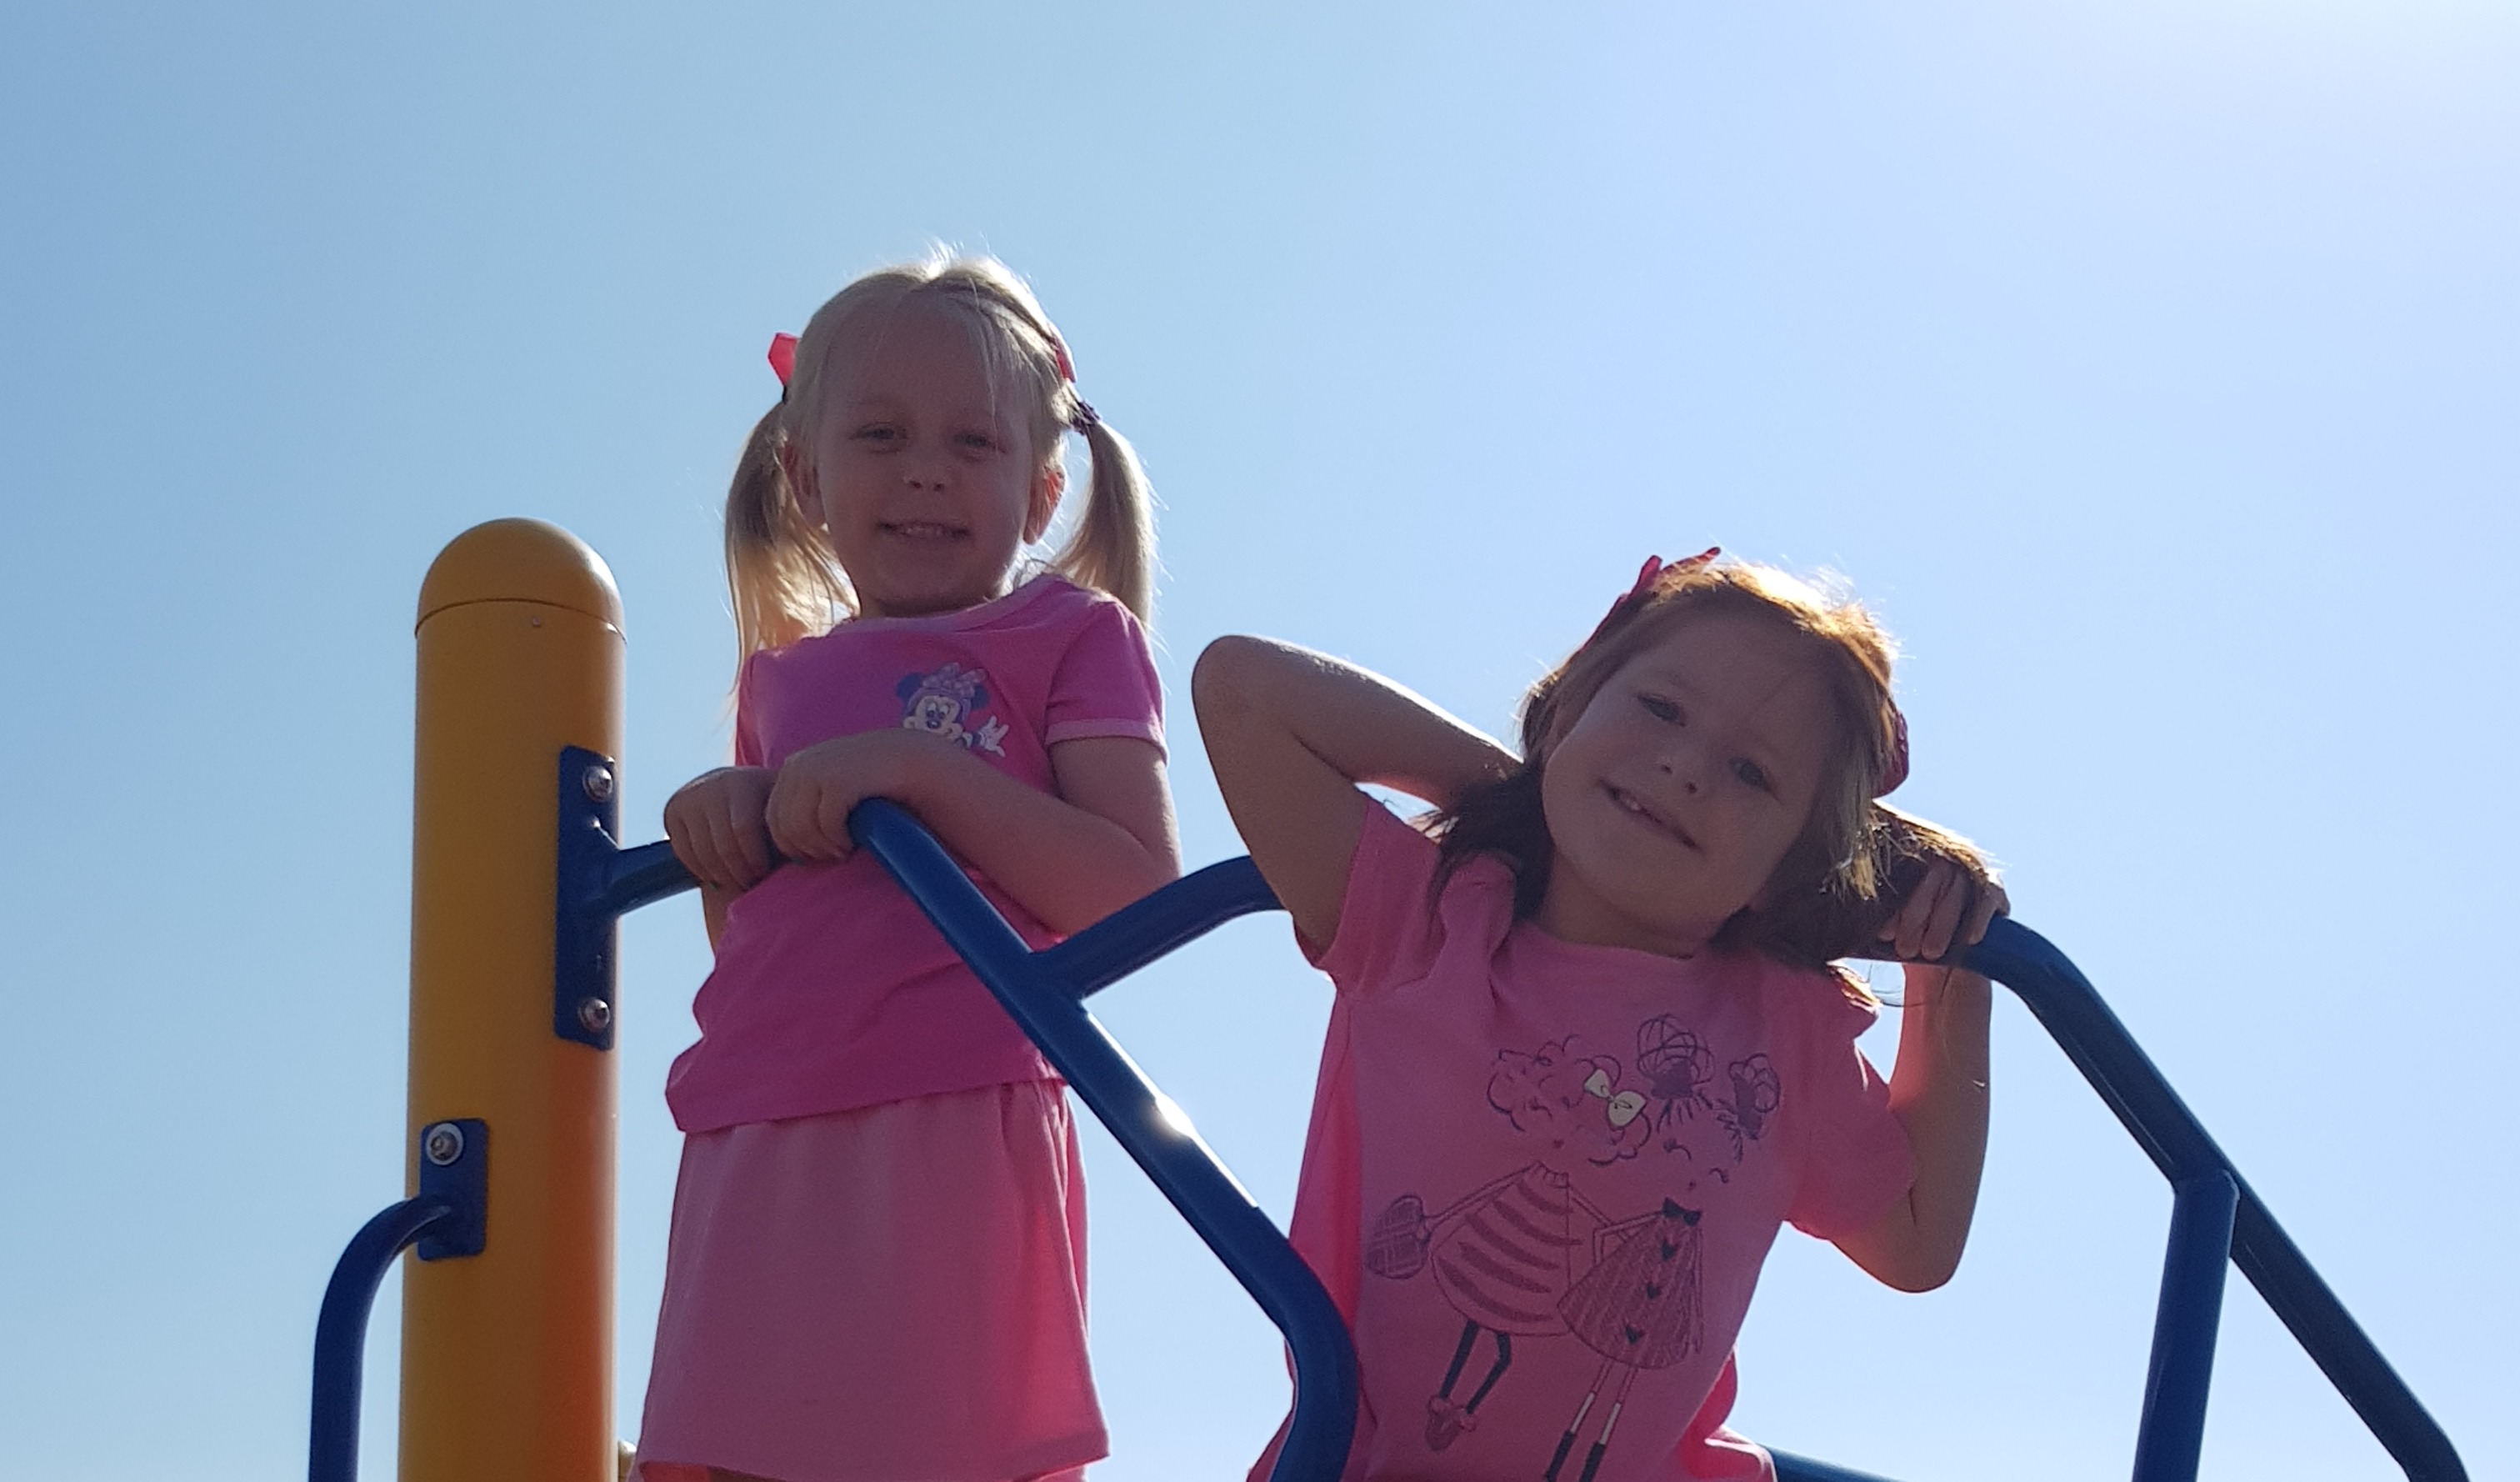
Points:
(1504, 1256)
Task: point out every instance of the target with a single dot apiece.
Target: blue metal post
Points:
(2172, 1436)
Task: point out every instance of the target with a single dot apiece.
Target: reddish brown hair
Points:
(1838, 880)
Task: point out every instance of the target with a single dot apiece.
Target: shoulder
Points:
(1089, 615)
(1053, 615)
(1051, 599)
(1401, 911)
(764, 671)
(1810, 1008)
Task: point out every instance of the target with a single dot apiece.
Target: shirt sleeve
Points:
(1856, 1157)
(1388, 931)
(1106, 683)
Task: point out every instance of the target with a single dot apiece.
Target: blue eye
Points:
(878, 432)
(1750, 773)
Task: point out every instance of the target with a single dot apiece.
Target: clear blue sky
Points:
(2152, 366)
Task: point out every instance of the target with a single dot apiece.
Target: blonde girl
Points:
(877, 1268)
(1584, 1060)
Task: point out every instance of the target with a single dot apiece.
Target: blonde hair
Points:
(781, 572)
(1840, 876)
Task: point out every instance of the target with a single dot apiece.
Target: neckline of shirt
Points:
(1040, 584)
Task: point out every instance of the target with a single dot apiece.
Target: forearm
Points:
(1066, 866)
(1939, 1093)
(1366, 728)
(1290, 732)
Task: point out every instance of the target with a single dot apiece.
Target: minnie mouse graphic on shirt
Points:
(951, 702)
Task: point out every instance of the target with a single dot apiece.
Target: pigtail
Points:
(1112, 548)
(779, 573)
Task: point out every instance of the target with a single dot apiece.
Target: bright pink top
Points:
(832, 990)
(1542, 1177)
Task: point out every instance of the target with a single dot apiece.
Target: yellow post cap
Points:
(520, 561)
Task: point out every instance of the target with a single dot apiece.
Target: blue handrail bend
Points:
(341, 1329)
(2065, 1000)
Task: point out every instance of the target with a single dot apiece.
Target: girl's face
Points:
(1676, 793)
(925, 480)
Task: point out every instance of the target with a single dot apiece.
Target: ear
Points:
(1046, 487)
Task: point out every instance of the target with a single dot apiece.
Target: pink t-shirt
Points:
(832, 989)
(1541, 1176)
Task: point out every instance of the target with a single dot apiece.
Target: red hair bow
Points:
(783, 356)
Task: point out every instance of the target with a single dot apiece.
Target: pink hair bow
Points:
(783, 356)
(1646, 576)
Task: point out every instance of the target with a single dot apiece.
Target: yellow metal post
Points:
(506, 1356)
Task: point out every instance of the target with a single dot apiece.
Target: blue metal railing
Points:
(447, 1220)
(1044, 991)
(2215, 1218)
(342, 1332)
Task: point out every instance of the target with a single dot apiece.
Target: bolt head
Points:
(442, 1143)
(598, 782)
(595, 1015)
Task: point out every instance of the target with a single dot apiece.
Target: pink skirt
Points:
(890, 1294)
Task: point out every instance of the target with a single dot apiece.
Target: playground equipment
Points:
(518, 881)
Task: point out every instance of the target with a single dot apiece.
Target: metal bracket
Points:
(598, 882)
(583, 973)
(455, 1166)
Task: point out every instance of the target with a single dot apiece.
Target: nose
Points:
(1682, 759)
(926, 468)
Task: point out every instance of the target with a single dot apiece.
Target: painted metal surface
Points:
(506, 1356)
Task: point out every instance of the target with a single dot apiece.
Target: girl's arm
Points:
(1938, 1092)
(1291, 733)
(1106, 840)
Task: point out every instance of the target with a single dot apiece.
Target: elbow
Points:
(1921, 1270)
(1906, 1259)
(1921, 1278)
(1227, 679)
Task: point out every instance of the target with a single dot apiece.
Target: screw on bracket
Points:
(595, 1015)
(598, 782)
(442, 1143)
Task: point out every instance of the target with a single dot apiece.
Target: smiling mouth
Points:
(923, 529)
(1631, 805)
